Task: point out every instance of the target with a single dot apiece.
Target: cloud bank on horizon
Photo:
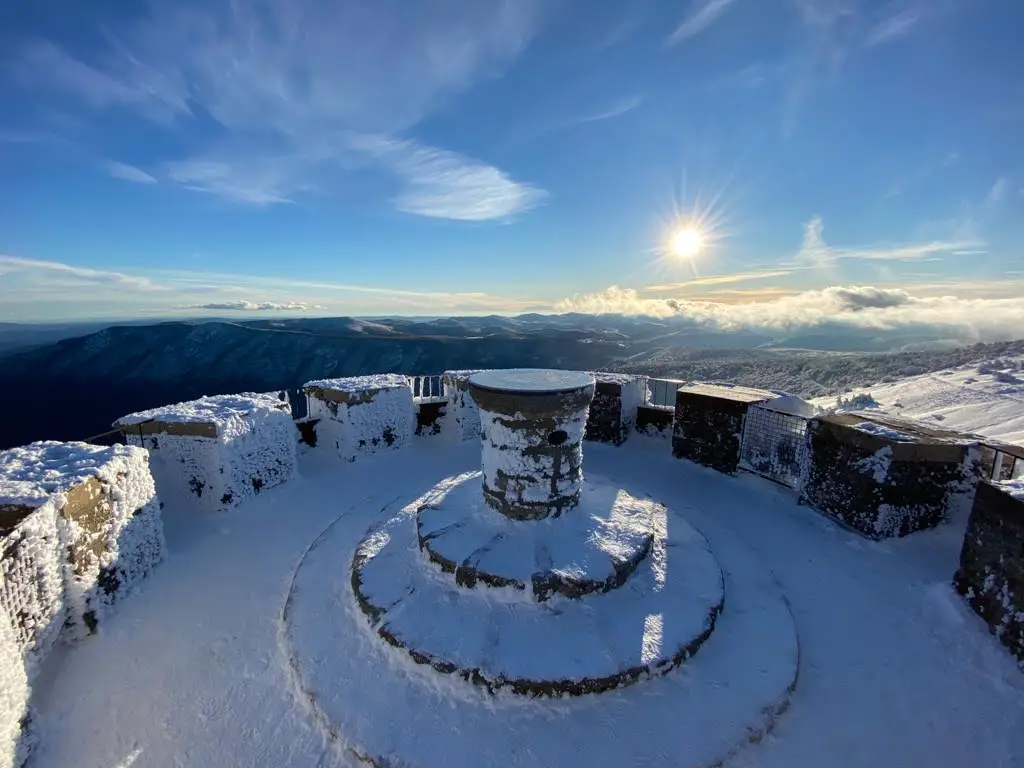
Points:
(440, 157)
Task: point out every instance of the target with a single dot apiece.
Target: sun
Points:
(687, 242)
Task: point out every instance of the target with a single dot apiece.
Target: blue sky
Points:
(380, 157)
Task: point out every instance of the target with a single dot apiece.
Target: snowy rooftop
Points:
(730, 392)
(358, 384)
(531, 380)
(217, 410)
(896, 429)
(243, 647)
(29, 474)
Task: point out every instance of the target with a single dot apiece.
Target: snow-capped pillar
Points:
(532, 424)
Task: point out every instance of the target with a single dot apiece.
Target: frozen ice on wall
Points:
(217, 451)
(108, 524)
(362, 414)
(462, 416)
(14, 694)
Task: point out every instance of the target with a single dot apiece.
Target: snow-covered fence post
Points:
(708, 425)
(362, 414)
(613, 411)
(217, 451)
(883, 477)
(991, 572)
(532, 425)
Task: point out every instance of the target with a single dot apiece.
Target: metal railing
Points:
(661, 393)
(428, 389)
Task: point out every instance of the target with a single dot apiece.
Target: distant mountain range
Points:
(76, 387)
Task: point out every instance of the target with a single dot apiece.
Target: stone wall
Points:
(430, 418)
(882, 484)
(362, 414)
(708, 424)
(613, 411)
(991, 573)
(462, 416)
(655, 421)
(216, 452)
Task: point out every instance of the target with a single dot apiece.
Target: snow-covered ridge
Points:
(985, 398)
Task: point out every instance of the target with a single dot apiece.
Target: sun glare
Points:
(687, 242)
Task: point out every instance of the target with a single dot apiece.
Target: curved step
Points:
(594, 547)
(655, 621)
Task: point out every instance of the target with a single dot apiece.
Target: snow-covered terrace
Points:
(246, 647)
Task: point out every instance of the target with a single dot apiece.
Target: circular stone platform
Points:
(502, 641)
(593, 549)
(372, 700)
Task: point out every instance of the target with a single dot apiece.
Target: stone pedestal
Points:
(532, 425)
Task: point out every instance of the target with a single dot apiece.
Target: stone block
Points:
(613, 410)
(216, 452)
(708, 424)
(991, 572)
(362, 414)
(882, 477)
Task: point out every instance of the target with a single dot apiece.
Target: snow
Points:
(14, 696)
(587, 547)
(372, 413)
(727, 391)
(227, 412)
(253, 448)
(462, 416)
(792, 405)
(985, 399)
(877, 465)
(1013, 487)
(245, 648)
(360, 384)
(884, 432)
(532, 380)
(94, 537)
(510, 639)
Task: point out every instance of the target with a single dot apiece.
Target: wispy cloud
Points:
(127, 172)
(700, 16)
(893, 26)
(241, 305)
(998, 191)
(738, 277)
(446, 185)
(814, 250)
(35, 289)
(21, 274)
(290, 82)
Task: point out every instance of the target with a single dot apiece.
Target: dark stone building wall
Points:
(429, 418)
(991, 573)
(613, 409)
(861, 481)
(654, 421)
(708, 430)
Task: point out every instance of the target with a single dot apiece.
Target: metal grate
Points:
(774, 445)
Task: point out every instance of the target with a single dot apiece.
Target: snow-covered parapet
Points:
(98, 506)
(533, 423)
(991, 572)
(217, 451)
(614, 408)
(362, 414)
(14, 695)
(708, 425)
(886, 478)
(462, 416)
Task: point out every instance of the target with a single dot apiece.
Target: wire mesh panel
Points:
(774, 445)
